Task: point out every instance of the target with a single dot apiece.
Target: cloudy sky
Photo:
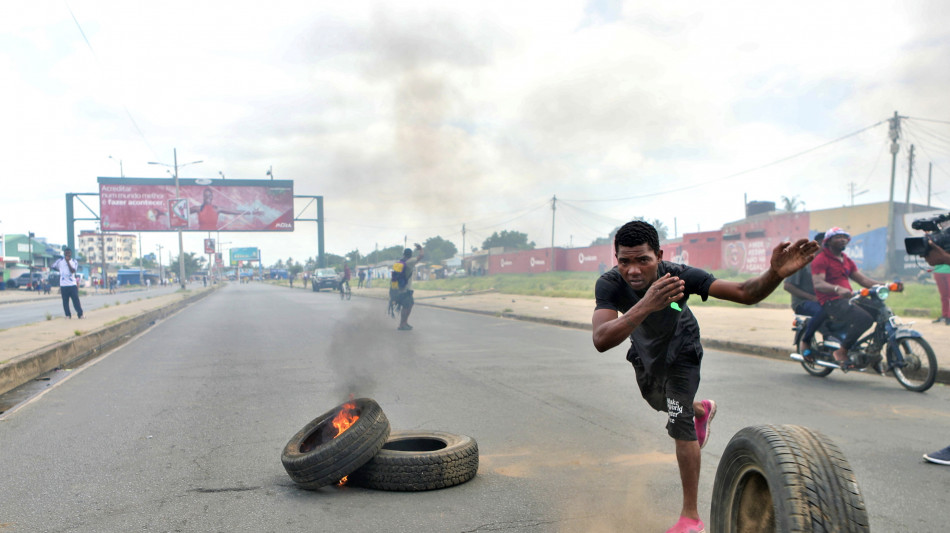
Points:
(414, 118)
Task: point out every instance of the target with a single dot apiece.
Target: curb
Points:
(943, 374)
(29, 366)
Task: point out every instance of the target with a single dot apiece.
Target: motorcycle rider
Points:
(805, 302)
(831, 272)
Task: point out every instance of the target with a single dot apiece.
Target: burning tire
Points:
(788, 479)
(322, 453)
(420, 460)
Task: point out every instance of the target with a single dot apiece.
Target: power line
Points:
(930, 120)
(760, 167)
(99, 64)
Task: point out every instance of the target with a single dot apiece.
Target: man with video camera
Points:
(933, 248)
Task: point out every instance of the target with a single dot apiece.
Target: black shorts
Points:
(672, 389)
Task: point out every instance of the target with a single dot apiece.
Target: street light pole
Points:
(181, 246)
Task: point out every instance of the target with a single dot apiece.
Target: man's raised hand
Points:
(788, 258)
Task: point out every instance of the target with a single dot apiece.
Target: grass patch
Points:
(116, 321)
(77, 333)
(49, 316)
(916, 296)
(105, 306)
(553, 284)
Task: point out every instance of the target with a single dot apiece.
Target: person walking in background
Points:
(67, 266)
(362, 276)
(403, 295)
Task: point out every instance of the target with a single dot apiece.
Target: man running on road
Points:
(644, 298)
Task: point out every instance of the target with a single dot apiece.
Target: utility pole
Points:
(161, 268)
(463, 243)
(851, 191)
(894, 132)
(553, 209)
(930, 175)
(102, 244)
(141, 265)
(910, 176)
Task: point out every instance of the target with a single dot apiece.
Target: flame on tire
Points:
(342, 421)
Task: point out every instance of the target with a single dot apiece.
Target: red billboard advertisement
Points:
(149, 204)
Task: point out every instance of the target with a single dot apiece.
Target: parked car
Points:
(324, 278)
(23, 280)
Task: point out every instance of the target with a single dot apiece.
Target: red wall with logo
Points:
(565, 259)
(747, 245)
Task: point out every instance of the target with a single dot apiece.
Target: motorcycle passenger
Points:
(805, 302)
(831, 272)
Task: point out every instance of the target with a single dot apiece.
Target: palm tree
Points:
(792, 204)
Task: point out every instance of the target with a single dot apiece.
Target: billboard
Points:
(244, 254)
(150, 204)
(209, 246)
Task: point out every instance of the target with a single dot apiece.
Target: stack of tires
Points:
(369, 455)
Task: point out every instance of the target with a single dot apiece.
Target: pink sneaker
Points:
(703, 422)
(687, 525)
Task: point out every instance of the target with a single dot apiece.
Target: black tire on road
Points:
(314, 459)
(420, 460)
(785, 479)
(921, 370)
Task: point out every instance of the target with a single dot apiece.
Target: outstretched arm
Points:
(787, 258)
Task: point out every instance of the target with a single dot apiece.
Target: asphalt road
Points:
(35, 310)
(182, 428)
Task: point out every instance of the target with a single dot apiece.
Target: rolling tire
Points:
(785, 479)
(420, 460)
(314, 460)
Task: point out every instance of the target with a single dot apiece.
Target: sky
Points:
(414, 119)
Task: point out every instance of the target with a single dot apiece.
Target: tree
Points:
(661, 228)
(792, 204)
(145, 262)
(508, 239)
(193, 263)
(438, 250)
(662, 231)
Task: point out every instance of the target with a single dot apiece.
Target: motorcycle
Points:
(905, 352)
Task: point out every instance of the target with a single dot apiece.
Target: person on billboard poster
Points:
(208, 212)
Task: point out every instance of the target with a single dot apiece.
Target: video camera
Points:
(937, 231)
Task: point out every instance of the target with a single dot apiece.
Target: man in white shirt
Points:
(67, 267)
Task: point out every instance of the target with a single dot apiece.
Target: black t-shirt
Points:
(664, 334)
(802, 280)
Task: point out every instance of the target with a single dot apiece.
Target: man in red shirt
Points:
(831, 273)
